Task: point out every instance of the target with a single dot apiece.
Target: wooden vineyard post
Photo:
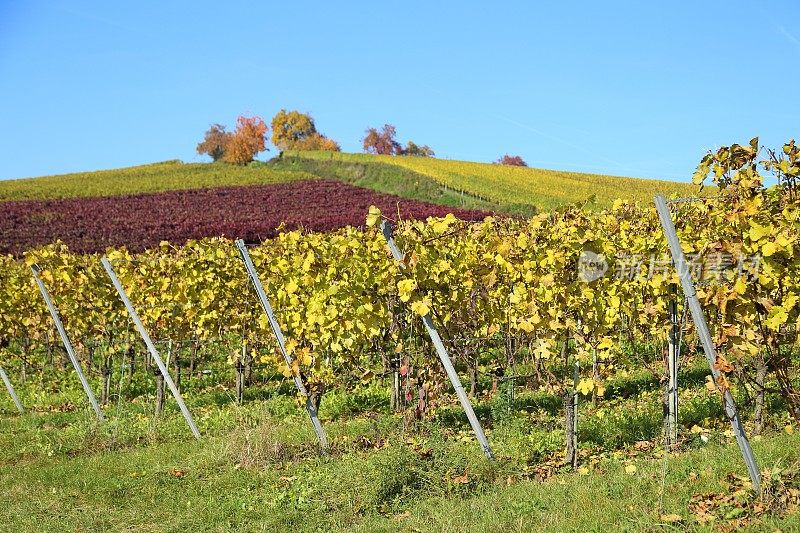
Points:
(576, 375)
(679, 261)
(67, 343)
(11, 390)
(276, 329)
(240, 374)
(672, 370)
(386, 229)
(150, 346)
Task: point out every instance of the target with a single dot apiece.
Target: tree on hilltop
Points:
(215, 142)
(414, 149)
(381, 142)
(292, 130)
(249, 138)
(512, 160)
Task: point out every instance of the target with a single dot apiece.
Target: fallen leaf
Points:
(462, 479)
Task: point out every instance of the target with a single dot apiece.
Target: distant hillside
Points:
(457, 184)
(157, 177)
(544, 189)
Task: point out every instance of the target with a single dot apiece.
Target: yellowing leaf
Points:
(758, 232)
(420, 308)
(630, 469)
(769, 249)
(405, 288)
(585, 386)
(373, 216)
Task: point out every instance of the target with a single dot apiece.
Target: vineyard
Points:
(560, 325)
(253, 213)
(481, 186)
(509, 185)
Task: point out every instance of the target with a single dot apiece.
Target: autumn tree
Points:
(512, 160)
(292, 130)
(291, 127)
(381, 142)
(318, 142)
(215, 142)
(414, 149)
(249, 138)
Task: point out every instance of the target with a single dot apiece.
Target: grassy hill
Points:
(503, 184)
(157, 177)
(515, 190)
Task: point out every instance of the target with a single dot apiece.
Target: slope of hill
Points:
(460, 184)
(544, 189)
(392, 179)
(157, 177)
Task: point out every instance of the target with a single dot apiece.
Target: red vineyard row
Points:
(252, 213)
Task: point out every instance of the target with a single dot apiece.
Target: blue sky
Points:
(627, 88)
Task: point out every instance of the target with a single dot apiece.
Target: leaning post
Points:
(11, 390)
(703, 333)
(150, 346)
(67, 343)
(276, 329)
(386, 229)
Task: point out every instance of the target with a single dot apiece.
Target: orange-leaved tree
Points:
(249, 138)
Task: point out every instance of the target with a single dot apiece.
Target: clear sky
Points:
(630, 88)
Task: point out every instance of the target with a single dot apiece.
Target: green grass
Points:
(166, 176)
(544, 189)
(257, 469)
(391, 179)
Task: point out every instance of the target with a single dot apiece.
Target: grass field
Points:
(257, 469)
(544, 189)
(157, 177)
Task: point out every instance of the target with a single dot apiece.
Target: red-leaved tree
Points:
(381, 142)
(512, 160)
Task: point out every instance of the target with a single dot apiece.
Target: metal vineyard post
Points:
(67, 343)
(703, 333)
(11, 390)
(276, 329)
(150, 346)
(386, 229)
